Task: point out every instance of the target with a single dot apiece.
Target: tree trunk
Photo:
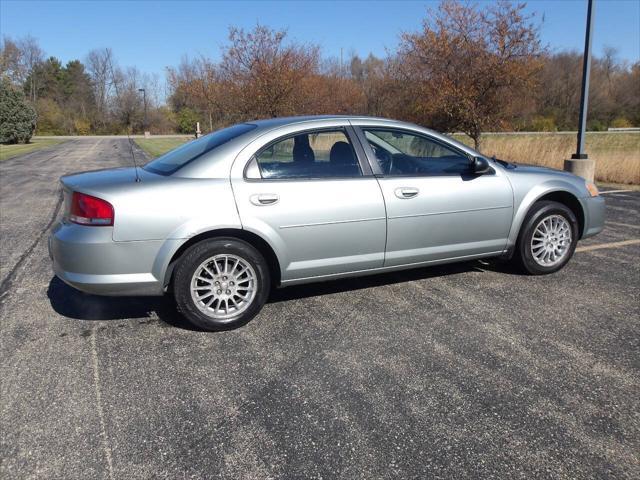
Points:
(476, 136)
(210, 122)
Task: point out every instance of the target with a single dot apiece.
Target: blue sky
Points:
(154, 35)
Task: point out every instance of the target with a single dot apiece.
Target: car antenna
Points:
(133, 157)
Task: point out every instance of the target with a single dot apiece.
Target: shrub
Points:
(543, 124)
(82, 126)
(186, 120)
(621, 122)
(596, 126)
(17, 117)
(50, 117)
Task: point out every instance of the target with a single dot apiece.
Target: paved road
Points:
(465, 371)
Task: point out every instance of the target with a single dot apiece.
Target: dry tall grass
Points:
(617, 154)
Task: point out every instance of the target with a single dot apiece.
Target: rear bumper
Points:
(594, 209)
(88, 259)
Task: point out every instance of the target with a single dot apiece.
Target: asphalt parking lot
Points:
(462, 371)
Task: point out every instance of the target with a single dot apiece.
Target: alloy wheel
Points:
(223, 286)
(551, 240)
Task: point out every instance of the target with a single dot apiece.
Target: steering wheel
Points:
(385, 159)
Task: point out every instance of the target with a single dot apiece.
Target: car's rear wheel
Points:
(221, 283)
(548, 238)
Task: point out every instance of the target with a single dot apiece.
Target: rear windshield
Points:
(174, 160)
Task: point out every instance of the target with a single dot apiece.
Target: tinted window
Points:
(404, 153)
(310, 155)
(175, 159)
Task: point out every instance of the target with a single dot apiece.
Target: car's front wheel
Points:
(548, 238)
(221, 283)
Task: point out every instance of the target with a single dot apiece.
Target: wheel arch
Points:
(556, 193)
(569, 200)
(251, 238)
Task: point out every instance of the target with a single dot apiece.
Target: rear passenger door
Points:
(314, 198)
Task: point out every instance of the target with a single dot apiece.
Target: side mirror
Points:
(480, 166)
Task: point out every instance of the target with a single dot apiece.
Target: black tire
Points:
(199, 253)
(539, 211)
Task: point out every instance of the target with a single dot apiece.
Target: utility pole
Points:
(144, 100)
(580, 163)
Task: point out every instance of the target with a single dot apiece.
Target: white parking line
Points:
(588, 248)
(615, 191)
(628, 225)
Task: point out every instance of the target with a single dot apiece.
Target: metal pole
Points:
(584, 96)
(144, 101)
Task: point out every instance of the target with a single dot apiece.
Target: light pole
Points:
(144, 100)
(580, 163)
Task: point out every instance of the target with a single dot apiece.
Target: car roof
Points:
(281, 121)
(362, 120)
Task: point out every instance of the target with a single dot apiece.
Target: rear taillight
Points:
(88, 210)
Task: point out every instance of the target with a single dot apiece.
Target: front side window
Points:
(321, 154)
(400, 152)
(172, 161)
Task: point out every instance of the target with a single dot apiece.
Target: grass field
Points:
(9, 151)
(157, 146)
(617, 155)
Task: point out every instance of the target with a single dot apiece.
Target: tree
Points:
(614, 92)
(77, 94)
(45, 81)
(264, 74)
(31, 56)
(200, 85)
(186, 120)
(100, 70)
(11, 66)
(375, 79)
(18, 62)
(467, 65)
(17, 117)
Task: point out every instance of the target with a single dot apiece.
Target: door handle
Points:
(264, 199)
(406, 192)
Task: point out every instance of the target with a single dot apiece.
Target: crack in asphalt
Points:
(6, 284)
(99, 410)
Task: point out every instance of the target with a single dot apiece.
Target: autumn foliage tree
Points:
(198, 84)
(265, 74)
(467, 65)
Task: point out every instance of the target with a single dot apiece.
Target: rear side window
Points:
(172, 161)
(321, 154)
(399, 152)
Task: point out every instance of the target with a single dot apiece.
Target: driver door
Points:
(436, 208)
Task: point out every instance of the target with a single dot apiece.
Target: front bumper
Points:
(88, 259)
(594, 209)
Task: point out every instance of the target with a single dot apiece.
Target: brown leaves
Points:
(467, 64)
(267, 74)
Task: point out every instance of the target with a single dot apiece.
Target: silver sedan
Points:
(221, 220)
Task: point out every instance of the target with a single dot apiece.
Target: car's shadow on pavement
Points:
(71, 303)
(377, 280)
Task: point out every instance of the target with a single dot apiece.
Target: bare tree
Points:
(200, 81)
(374, 76)
(31, 56)
(100, 69)
(11, 65)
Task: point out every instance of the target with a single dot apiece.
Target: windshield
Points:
(172, 161)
